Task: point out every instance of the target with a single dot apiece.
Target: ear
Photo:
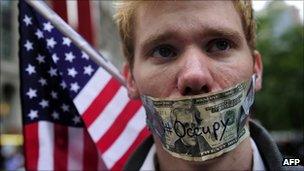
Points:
(258, 70)
(133, 92)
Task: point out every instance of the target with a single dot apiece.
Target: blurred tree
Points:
(280, 103)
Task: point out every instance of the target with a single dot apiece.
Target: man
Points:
(189, 51)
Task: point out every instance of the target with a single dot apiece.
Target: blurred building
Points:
(285, 17)
(10, 111)
(110, 43)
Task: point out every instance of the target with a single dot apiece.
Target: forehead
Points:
(185, 17)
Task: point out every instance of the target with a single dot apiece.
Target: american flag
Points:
(67, 100)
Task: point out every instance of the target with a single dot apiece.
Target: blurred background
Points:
(279, 106)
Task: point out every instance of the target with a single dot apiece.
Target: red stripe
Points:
(100, 102)
(90, 159)
(144, 133)
(119, 125)
(60, 147)
(31, 146)
(85, 25)
(61, 8)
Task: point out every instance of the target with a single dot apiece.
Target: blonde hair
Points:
(126, 13)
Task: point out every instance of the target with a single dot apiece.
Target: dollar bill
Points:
(199, 128)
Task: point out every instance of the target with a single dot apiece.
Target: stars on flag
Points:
(63, 84)
(56, 70)
(30, 69)
(44, 103)
(40, 59)
(69, 57)
(33, 114)
(28, 45)
(51, 42)
(39, 34)
(55, 57)
(42, 81)
(48, 26)
(66, 41)
(55, 115)
(75, 87)
(65, 107)
(76, 120)
(53, 72)
(84, 55)
(32, 93)
(27, 20)
(72, 72)
(54, 95)
(88, 70)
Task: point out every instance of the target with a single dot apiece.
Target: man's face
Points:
(186, 48)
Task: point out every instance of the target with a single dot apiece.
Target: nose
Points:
(194, 77)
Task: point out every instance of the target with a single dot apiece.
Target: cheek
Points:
(231, 73)
(154, 80)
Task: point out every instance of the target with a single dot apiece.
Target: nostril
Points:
(187, 91)
(205, 89)
(191, 91)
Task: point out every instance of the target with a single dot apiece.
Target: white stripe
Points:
(125, 140)
(90, 91)
(46, 145)
(75, 148)
(106, 119)
(149, 161)
(72, 13)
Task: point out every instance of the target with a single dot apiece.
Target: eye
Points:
(218, 45)
(164, 51)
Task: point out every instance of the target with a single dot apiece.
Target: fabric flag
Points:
(64, 94)
(78, 14)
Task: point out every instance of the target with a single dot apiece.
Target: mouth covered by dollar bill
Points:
(202, 127)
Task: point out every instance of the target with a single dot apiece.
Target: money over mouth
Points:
(181, 129)
(201, 127)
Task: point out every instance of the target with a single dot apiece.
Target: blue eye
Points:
(218, 45)
(164, 51)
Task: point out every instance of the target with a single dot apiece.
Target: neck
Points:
(238, 159)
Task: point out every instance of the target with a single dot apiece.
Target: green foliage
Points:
(280, 103)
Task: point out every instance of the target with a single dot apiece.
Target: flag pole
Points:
(80, 42)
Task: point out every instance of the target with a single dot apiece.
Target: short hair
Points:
(126, 14)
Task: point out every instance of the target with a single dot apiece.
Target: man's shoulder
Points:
(269, 151)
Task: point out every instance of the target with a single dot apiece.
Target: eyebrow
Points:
(206, 32)
(157, 38)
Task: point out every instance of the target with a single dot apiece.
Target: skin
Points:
(192, 35)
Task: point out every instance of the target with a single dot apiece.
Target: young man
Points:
(202, 52)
